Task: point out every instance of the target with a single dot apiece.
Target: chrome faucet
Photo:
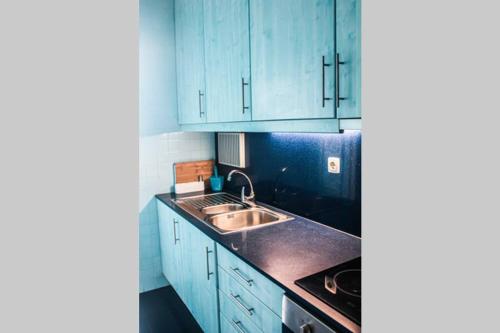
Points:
(244, 198)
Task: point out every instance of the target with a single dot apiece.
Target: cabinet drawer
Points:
(225, 326)
(257, 284)
(237, 300)
(236, 322)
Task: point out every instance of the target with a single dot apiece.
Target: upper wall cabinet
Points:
(227, 60)
(190, 61)
(349, 57)
(293, 59)
(268, 65)
(157, 88)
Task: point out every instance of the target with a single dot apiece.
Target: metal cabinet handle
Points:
(175, 234)
(242, 277)
(243, 84)
(323, 97)
(238, 301)
(337, 80)
(237, 326)
(200, 94)
(207, 251)
(306, 328)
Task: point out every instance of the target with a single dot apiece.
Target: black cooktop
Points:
(344, 288)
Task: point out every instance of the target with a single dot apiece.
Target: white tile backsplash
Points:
(158, 153)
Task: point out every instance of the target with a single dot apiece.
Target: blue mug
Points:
(216, 183)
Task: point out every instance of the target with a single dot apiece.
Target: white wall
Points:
(157, 154)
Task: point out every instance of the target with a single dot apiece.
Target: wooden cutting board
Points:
(186, 172)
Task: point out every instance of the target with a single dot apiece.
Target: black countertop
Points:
(285, 252)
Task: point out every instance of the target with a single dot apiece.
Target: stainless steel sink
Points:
(225, 213)
(220, 209)
(243, 219)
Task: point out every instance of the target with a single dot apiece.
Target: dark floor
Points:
(162, 311)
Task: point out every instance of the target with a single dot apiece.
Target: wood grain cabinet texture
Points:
(349, 51)
(189, 264)
(199, 278)
(170, 246)
(190, 62)
(289, 41)
(258, 63)
(227, 60)
(249, 278)
(234, 298)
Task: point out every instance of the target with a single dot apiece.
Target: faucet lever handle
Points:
(243, 193)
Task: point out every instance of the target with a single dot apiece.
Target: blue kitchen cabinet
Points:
(200, 278)
(170, 227)
(236, 299)
(349, 56)
(227, 60)
(190, 63)
(157, 86)
(292, 59)
(248, 299)
(189, 264)
(222, 292)
(257, 284)
(268, 65)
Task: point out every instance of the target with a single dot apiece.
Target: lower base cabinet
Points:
(200, 277)
(222, 292)
(189, 264)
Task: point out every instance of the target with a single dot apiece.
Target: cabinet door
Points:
(227, 60)
(204, 260)
(190, 61)
(170, 246)
(200, 277)
(186, 265)
(208, 311)
(349, 52)
(292, 59)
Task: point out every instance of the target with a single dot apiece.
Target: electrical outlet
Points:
(333, 164)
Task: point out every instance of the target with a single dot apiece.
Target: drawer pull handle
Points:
(175, 234)
(323, 65)
(243, 84)
(207, 251)
(200, 94)
(337, 81)
(238, 301)
(237, 326)
(242, 277)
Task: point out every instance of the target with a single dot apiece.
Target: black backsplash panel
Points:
(289, 171)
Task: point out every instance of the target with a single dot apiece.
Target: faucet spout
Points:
(244, 198)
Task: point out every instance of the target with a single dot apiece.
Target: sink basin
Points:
(225, 213)
(220, 209)
(243, 219)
